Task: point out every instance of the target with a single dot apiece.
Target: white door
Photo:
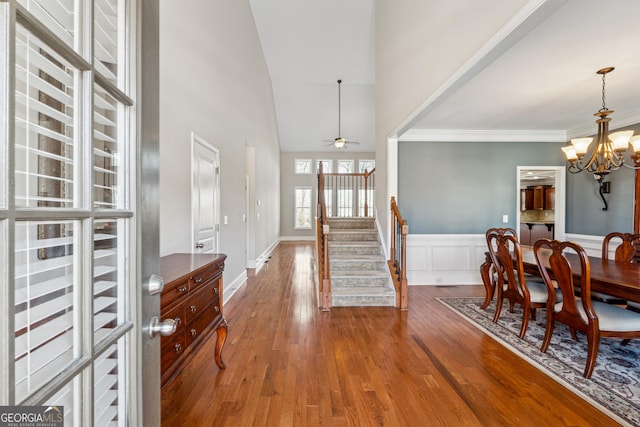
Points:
(205, 202)
(71, 327)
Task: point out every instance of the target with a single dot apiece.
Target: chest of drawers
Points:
(192, 296)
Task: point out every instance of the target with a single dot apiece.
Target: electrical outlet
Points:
(505, 219)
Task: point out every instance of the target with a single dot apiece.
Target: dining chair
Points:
(490, 276)
(511, 282)
(623, 246)
(596, 319)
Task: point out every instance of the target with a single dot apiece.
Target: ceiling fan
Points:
(339, 142)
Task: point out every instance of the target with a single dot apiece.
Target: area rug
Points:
(614, 386)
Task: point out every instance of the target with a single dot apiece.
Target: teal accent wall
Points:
(584, 205)
(466, 187)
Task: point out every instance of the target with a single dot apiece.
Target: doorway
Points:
(548, 182)
(205, 190)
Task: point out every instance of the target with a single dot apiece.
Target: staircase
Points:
(359, 273)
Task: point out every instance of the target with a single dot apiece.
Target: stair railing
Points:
(322, 231)
(398, 261)
(350, 194)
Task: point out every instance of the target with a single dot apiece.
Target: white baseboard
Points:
(229, 289)
(258, 263)
(297, 238)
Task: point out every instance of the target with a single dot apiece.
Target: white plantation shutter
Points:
(105, 150)
(44, 152)
(44, 301)
(56, 15)
(70, 248)
(106, 38)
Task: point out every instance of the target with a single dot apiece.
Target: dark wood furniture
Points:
(538, 197)
(192, 296)
(596, 319)
(614, 278)
(625, 251)
(511, 283)
(532, 231)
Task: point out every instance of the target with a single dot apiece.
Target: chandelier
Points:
(609, 151)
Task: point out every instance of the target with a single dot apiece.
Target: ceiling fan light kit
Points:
(340, 142)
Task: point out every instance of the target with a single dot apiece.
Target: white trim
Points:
(560, 198)
(527, 18)
(445, 259)
(230, 289)
(621, 120)
(259, 262)
(591, 244)
(477, 135)
(297, 238)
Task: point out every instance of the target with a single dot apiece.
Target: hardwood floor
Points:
(289, 364)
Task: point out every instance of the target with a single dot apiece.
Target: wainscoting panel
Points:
(455, 259)
(445, 259)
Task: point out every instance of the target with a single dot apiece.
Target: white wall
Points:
(289, 181)
(419, 45)
(214, 82)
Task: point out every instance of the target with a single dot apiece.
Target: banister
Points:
(322, 232)
(398, 253)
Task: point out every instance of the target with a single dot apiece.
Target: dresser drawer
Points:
(197, 302)
(172, 349)
(173, 291)
(177, 314)
(205, 276)
(200, 323)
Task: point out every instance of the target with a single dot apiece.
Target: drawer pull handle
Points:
(178, 321)
(199, 280)
(193, 308)
(217, 309)
(216, 291)
(193, 332)
(178, 348)
(182, 289)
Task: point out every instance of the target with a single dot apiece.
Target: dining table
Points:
(618, 279)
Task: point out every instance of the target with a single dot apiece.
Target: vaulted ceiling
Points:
(538, 82)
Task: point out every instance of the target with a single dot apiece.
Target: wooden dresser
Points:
(192, 296)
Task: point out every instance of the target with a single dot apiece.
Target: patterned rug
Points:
(614, 386)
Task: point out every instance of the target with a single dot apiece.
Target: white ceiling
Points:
(538, 82)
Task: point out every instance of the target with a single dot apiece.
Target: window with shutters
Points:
(66, 218)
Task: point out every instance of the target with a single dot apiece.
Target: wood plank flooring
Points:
(289, 364)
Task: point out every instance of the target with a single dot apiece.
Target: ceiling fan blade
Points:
(353, 142)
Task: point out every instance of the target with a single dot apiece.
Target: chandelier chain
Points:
(604, 107)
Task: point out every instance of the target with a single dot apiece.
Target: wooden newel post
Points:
(325, 298)
(393, 232)
(404, 288)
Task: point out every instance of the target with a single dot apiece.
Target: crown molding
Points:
(618, 121)
(452, 135)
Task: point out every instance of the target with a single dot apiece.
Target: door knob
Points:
(199, 245)
(164, 328)
(155, 284)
